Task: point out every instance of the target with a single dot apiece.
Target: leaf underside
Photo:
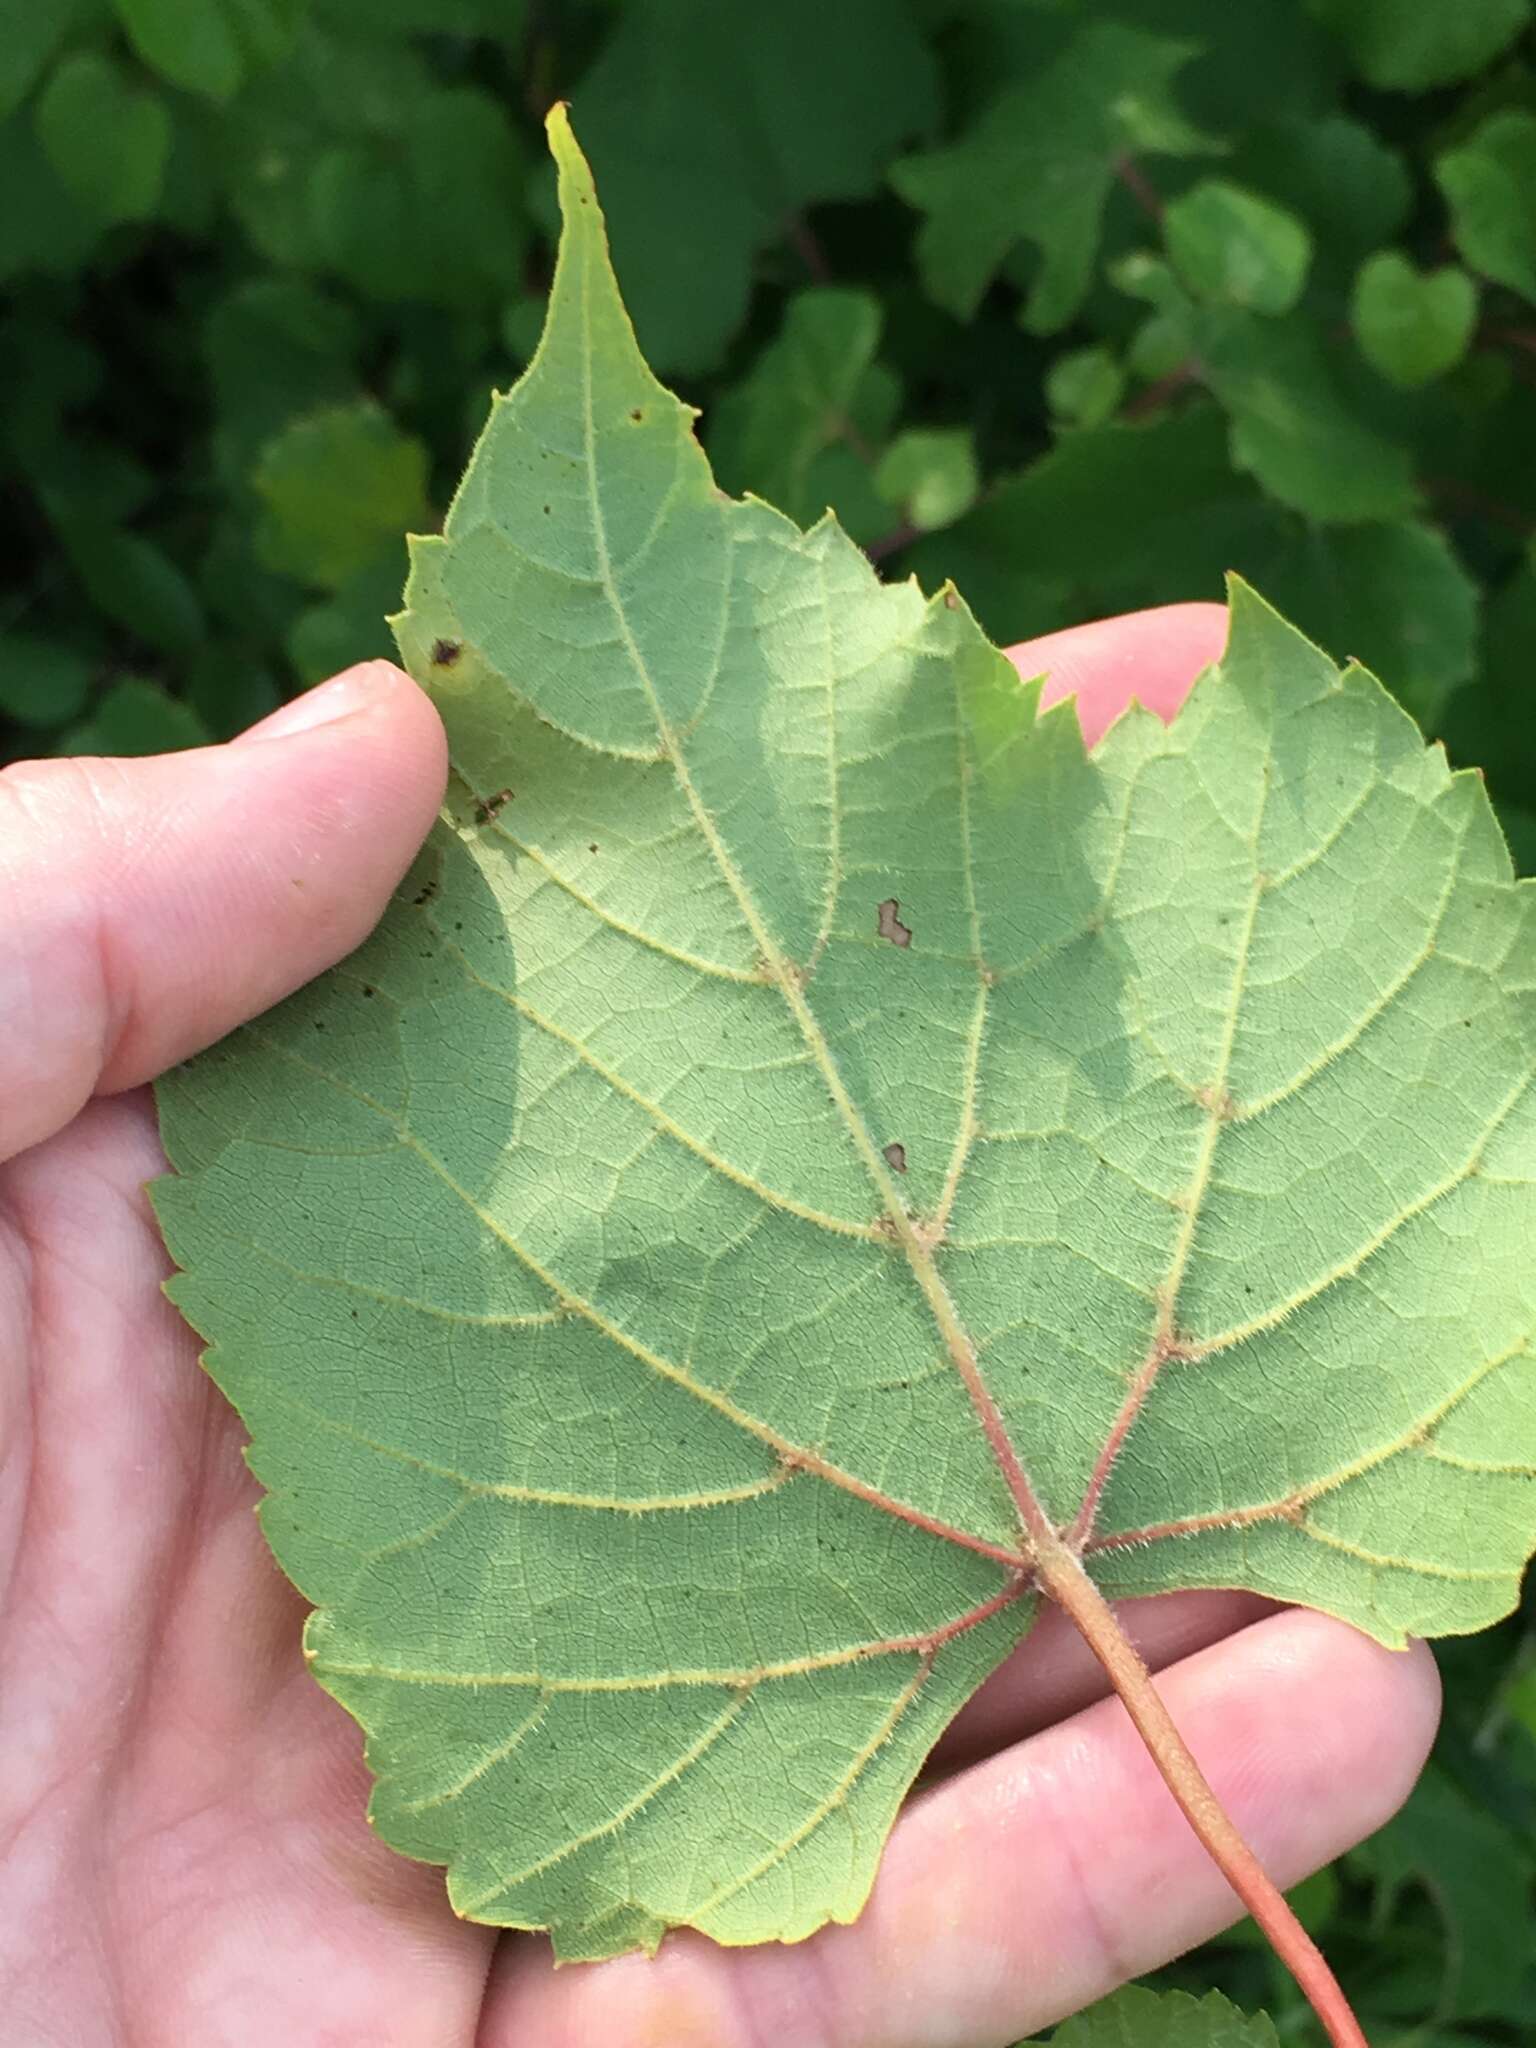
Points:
(789, 1051)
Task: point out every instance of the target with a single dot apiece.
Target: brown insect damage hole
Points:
(895, 1157)
(445, 653)
(487, 807)
(888, 923)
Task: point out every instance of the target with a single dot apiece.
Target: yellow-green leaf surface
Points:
(799, 1093)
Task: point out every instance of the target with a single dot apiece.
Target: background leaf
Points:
(1142, 2019)
(1490, 183)
(338, 487)
(1412, 326)
(1234, 247)
(1404, 47)
(1040, 163)
(107, 138)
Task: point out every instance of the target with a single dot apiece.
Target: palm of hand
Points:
(182, 1848)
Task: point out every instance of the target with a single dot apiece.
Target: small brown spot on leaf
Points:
(951, 597)
(488, 806)
(445, 653)
(592, 846)
(368, 990)
(1218, 1102)
(424, 894)
(896, 1158)
(637, 413)
(889, 924)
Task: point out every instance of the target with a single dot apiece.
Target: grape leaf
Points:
(798, 429)
(1084, 386)
(1295, 425)
(1136, 2018)
(1393, 596)
(930, 474)
(1412, 325)
(1490, 183)
(1039, 164)
(208, 49)
(798, 1088)
(1112, 517)
(136, 716)
(1353, 190)
(1479, 1876)
(1404, 46)
(336, 487)
(105, 136)
(28, 38)
(1237, 247)
(711, 127)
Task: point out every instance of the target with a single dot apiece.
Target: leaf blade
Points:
(777, 1163)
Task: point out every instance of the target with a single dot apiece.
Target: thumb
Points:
(154, 904)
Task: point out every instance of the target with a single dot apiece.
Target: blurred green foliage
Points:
(1081, 304)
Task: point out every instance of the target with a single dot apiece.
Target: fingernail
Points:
(355, 689)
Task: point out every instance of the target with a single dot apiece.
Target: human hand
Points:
(183, 1854)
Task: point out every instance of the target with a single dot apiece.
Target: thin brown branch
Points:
(891, 543)
(1467, 498)
(803, 239)
(1153, 396)
(1139, 185)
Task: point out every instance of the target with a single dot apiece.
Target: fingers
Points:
(152, 905)
(1033, 1883)
(1053, 1673)
(1152, 656)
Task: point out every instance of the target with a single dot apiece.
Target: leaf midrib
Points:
(1035, 1526)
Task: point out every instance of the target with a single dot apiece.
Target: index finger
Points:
(1152, 656)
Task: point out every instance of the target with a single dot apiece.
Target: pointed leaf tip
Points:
(566, 150)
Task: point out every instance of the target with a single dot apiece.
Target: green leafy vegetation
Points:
(1084, 305)
(1137, 1166)
(1141, 2019)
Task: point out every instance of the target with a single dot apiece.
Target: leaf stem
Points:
(1062, 1576)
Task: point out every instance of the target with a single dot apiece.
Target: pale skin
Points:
(183, 1853)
